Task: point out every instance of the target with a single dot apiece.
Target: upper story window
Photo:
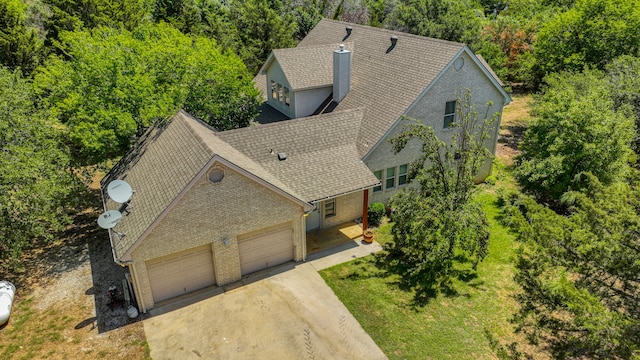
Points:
(280, 93)
(287, 100)
(378, 174)
(449, 113)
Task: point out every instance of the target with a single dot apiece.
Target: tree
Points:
(624, 78)
(438, 229)
(577, 129)
(448, 20)
(514, 41)
(35, 177)
(184, 15)
(307, 15)
(19, 46)
(72, 15)
(580, 273)
(117, 83)
(591, 33)
(265, 26)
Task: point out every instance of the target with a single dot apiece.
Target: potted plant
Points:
(368, 236)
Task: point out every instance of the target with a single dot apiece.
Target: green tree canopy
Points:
(35, 175)
(580, 274)
(116, 83)
(72, 15)
(577, 129)
(19, 46)
(443, 19)
(265, 25)
(438, 226)
(591, 33)
(624, 76)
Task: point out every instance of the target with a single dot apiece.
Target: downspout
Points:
(304, 232)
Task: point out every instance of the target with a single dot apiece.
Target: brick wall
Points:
(348, 208)
(209, 213)
(429, 109)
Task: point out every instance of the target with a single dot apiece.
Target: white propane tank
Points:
(7, 290)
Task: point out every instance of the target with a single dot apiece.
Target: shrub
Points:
(375, 213)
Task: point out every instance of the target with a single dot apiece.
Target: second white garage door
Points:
(266, 249)
(181, 273)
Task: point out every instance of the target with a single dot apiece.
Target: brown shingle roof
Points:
(322, 158)
(158, 168)
(307, 67)
(162, 164)
(384, 80)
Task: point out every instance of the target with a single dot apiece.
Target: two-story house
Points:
(211, 207)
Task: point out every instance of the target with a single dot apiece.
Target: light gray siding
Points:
(307, 101)
(275, 73)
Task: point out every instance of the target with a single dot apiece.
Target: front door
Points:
(313, 219)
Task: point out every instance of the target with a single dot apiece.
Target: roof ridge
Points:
(192, 130)
(394, 32)
(360, 109)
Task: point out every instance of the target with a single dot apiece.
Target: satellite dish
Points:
(109, 219)
(120, 191)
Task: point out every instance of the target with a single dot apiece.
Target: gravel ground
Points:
(62, 306)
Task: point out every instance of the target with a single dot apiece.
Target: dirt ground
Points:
(62, 305)
(512, 127)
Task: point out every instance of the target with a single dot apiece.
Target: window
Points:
(274, 92)
(391, 178)
(378, 175)
(330, 208)
(280, 92)
(449, 113)
(402, 174)
(287, 101)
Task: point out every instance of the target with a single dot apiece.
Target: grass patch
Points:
(465, 326)
(518, 111)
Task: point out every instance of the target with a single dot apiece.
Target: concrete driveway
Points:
(290, 315)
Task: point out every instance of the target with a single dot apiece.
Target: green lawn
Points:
(461, 326)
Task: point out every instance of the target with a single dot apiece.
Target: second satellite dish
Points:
(120, 191)
(109, 219)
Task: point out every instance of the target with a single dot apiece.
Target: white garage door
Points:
(266, 249)
(179, 274)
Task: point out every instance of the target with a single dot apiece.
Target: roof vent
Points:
(282, 156)
(349, 29)
(394, 41)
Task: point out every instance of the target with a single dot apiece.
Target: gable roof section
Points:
(161, 166)
(322, 158)
(385, 79)
(306, 67)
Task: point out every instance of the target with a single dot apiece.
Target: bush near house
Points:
(375, 213)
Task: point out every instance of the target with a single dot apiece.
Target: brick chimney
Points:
(341, 73)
